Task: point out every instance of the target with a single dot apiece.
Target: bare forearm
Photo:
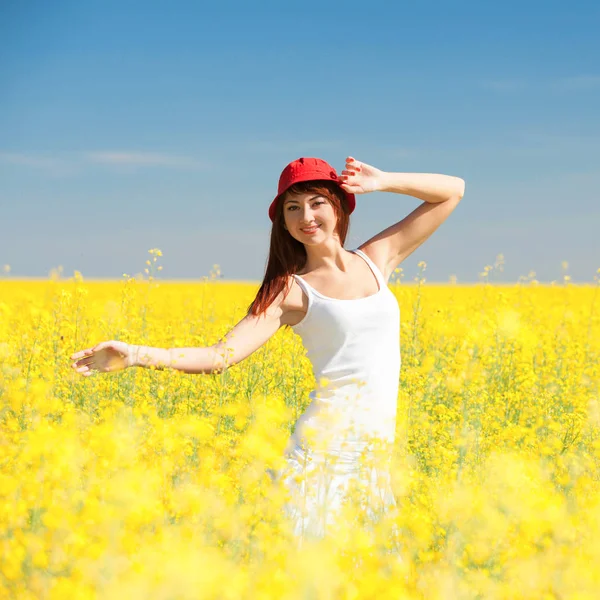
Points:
(188, 360)
(425, 186)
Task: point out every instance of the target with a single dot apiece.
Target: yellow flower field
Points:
(152, 484)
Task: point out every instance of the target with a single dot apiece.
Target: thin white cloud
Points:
(50, 165)
(61, 166)
(39, 162)
(144, 159)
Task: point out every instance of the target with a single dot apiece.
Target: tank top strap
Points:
(303, 285)
(378, 274)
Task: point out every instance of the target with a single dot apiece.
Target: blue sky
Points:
(126, 126)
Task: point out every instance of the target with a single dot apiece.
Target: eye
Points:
(294, 206)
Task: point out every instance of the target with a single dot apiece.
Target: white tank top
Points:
(355, 346)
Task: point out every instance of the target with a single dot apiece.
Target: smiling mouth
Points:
(311, 229)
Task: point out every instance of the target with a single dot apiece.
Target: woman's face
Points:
(307, 211)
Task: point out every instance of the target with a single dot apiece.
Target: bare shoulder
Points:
(293, 304)
(289, 301)
(378, 254)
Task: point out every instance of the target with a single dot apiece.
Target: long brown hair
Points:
(286, 254)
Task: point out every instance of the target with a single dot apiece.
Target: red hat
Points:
(307, 169)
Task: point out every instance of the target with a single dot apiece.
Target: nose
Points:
(307, 215)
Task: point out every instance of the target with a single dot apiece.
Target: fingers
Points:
(84, 370)
(83, 359)
(89, 351)
(352, 168)
(85, 352)
(352, 189)
(89, 361)
(84, 362)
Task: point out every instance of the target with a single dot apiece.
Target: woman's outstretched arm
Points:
(114, 355)
(244, 339)
(188, 360)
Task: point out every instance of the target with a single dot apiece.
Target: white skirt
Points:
(318, 483)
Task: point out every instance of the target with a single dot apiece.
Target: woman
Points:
(339, 303)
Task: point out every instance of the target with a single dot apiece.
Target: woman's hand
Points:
(360, 178)
(104, 357)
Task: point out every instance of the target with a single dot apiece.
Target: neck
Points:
(328, 256)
